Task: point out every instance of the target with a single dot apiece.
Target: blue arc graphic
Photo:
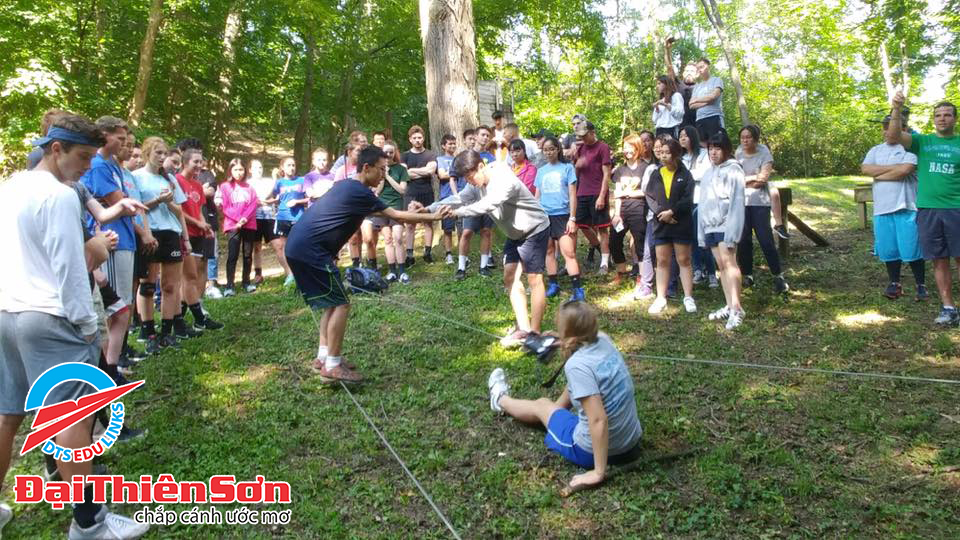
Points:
(72, 371)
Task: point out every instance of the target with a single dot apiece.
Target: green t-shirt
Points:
(390, 196)
(938, 171)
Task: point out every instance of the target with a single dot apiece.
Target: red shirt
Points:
(589, 163)
(193, 205)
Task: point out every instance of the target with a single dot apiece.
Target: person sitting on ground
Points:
(314, 244)
(720, 222)
(895, 234)
(556, 189)
(604, 427)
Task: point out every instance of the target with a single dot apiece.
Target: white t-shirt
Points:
(890, 196)
(704, 88)
(751, 166)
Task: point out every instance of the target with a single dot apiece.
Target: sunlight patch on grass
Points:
(255, 374)
(616, 300)
(920, 457)
(766, 391)
(865, 319)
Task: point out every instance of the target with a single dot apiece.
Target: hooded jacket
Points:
(722, 202)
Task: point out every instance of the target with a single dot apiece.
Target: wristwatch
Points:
(572, 218)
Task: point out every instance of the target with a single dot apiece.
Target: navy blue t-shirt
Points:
(327, 225)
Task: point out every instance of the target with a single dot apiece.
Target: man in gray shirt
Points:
(707, 100)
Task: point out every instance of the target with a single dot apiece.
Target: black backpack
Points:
(366, 280)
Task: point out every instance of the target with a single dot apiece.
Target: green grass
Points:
(775, 455)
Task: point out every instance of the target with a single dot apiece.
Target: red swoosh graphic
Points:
(61, 416)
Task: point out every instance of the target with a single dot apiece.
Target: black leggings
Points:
(634, 222)
(757, 219)
(237, 237)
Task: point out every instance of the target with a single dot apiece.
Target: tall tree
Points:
(300, 151)
(450, 64)
(231, 33)
(713, 14)
(146, 62)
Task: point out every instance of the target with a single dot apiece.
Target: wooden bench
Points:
(783, 244)
(863, 194)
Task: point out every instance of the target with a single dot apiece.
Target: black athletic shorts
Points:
(169, 247)
(709, 126)
(265, 232)
(531, 252)
(476, 223)
(197, 248)
(281, 229)
(558, 226)
(587, 214)
(320, 284)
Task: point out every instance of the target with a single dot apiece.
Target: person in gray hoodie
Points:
(720, 222)
(496, 191)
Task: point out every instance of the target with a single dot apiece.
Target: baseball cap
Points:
(579, 118)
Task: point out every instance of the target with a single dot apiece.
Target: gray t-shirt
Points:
(752, 165)
(704, 88)
(890, 196)
(598, 368)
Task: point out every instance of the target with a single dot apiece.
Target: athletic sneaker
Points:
(405, 278)
(428, 258)
(213, 293)
(735, 319)
(391, 277)
(948, 316)
(134, 355)
(697, 277)
(553, 289)
(6, 514)
(108, 526)
(207, 324)
(152, 346)
(485, 271)
(228, 292)
(409, 261)
(657, 306)
(689, 304)
(603, 270)
(747, 281)
(720, 314)
(712, 282)
(781, 231)
(922, 293)
(168, 340)
(514, 338)
(641, 292)
(250, 288)
(339, 373)
(99, 469)
(186, 332)
(125, 365)
(460, 275)
(780, 285)
(290, 281)
(497, 384)
(449, 259)
(128, 434)
(893, 291)
(578, 295)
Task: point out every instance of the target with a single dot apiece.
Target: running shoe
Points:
(449, 259)
(152, 346)
(428, 258)
(735, 319)
(747, 281)
(922, 293)
(460, 275)
(689, 304)
(391, 277)
(657, 306)
(6, 514)
(168, 340)
(186, 332)
(780, 285)
(603, 270)
(405, 278)
(720, 314)
(948, 316)
(697, 277)
(578, 295)
(497, 384)
(128, 434)
(290, 281)
(207, 324)
(485, 271)
(712, 282)
(250, 288)
(228, 292)
(110, 526)
(409, 261)
(641, 292)
(893, 291)
(213, 293)
(553, 289)
(781, 231)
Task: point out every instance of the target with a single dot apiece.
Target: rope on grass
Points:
(394, 453)
(721, 363)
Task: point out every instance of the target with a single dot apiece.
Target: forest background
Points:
(262, 77)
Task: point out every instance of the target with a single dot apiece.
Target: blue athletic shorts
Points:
(559, 438)
(895, 236)
(321, 285)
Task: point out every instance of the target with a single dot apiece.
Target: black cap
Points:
(541, 134)
(496, 114)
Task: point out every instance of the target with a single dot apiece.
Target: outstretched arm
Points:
(896, 122)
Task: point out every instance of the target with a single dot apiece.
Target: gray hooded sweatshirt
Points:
(721, 203)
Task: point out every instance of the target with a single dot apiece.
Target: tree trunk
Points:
(301, 153)
(713, 13)
(903, 68)
(146, 62)
(231, 33)
(450, 63)
(887, 74)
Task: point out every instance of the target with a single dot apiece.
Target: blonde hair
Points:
(577, 325)
(150, 144)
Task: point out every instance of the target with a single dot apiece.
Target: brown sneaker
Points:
(340, 373)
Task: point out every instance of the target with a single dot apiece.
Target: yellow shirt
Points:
(667, 176)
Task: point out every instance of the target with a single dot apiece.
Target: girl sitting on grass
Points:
(604, 427)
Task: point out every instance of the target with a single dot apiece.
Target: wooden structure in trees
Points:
(490, 98)
(783, 244)
(863, 194)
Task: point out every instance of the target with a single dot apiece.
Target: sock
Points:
(427, 250)
(400, 269)
(484, 259)
(893, 271)
(462, 263)
(166, 327)
(604, 259)
(917, 267)
(449, 254)
(198, 316)
(489, 258)
(551, 279)
(258, 272)
(393, 268)
(575, 281)
(85, 513)
(333, 361)
(149, 328)
(178, 324)
(372, 263)
(183, 308)
(356, 262)
(322, 351)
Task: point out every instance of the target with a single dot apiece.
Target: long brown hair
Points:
(669, 87)
(577, 325)
(233, 163)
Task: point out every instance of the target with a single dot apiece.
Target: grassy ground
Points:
(772, 454)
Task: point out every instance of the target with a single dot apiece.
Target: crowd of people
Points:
(104, 232)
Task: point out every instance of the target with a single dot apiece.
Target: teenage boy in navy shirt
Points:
(313, 245)
(449, 185)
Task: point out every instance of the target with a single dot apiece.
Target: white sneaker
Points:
(6, 514)
(719, 314)
(391, 277)
(213, 293)
(251, 288)
(497, 383)
(736, 318)
(603, 270)
(109, 526)
(404, 278)
(449, 259)
(689, 304)
(657, 306)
